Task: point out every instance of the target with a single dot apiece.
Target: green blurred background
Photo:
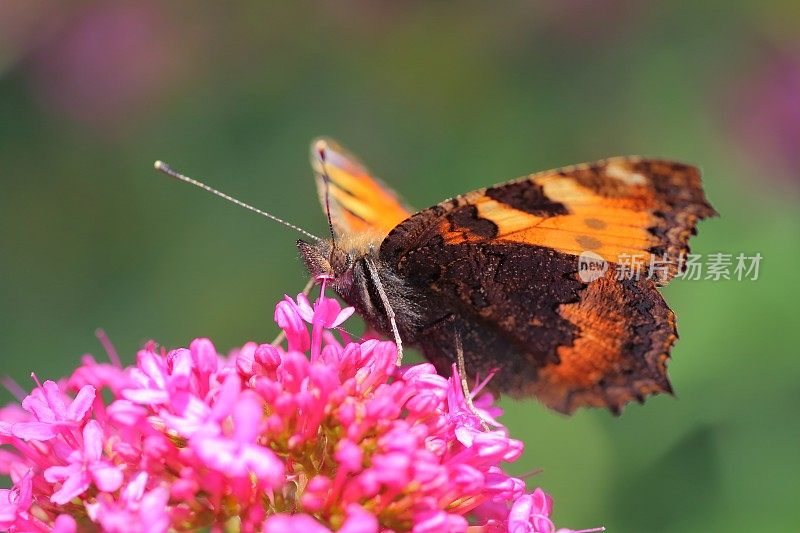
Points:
(438, 98)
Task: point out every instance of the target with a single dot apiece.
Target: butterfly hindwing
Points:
(520, 310)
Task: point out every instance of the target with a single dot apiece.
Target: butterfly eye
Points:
(341, 261)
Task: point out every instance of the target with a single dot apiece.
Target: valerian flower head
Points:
(316, 435)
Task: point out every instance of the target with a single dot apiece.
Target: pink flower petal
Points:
(304, 308)
(64, 523)
(153, 511)
(35, 404)
(182, 364)
(268, 356)
(247, 415)
(25, 491)
(81, 404)
(146, 396)
(359, 521)
(72, 487)
(519, 517)
(34, 430)
(542, 502)
(438, 522)
(282, 523)
(151, 366)
(135, 488)
(227, 397)
(245, 358)
(204, 356)
(55, 474)
(106, 476)
(265, 465)
(126, 413)
(349, 455)
(290, 321)
(92, 441)
(343, 315)
(8, 508)
(55, 399)
(194, 418)
(15, 502)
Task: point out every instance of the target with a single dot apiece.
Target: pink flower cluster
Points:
(264, 439)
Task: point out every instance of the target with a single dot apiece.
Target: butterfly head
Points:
(324, 260)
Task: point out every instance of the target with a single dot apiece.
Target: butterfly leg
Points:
(373, 272)
(306, 290)
(462, 370)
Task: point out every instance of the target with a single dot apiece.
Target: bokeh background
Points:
(438, 98)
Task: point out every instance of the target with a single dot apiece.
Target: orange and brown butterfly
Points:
(497, 270)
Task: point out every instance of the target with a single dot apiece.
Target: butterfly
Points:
(496, 271)
(519, 280)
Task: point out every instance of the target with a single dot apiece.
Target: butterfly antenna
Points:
(166, 169)
(327, 180)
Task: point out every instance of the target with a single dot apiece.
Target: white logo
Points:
(591, 266)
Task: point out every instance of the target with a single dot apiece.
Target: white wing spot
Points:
(624, 175)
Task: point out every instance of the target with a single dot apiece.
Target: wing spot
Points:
(624, 174)
(595, 223)
(588, 243)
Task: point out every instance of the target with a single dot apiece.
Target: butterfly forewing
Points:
(358, 201)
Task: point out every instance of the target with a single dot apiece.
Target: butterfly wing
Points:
(624, 209)
(359, 203)
(498, 268)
